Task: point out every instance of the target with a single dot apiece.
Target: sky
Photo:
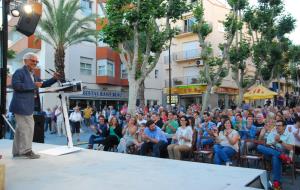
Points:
(291, 7)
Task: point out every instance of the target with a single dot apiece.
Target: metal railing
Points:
(184, 55)
(187, 54)
(185, 81)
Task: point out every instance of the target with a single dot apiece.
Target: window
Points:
(156, 73)
(100, 11)
(191, 50)
(86, 7)
(86, 65)
(110, 69)
(106, 68)
(188, 24)
(124, 74)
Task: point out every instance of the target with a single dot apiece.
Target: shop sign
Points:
(104, 94)
(187, 89)
(222, 90)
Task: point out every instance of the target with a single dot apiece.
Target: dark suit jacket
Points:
(23, 101)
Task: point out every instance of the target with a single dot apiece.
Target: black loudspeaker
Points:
(38, 135)
(28, 22)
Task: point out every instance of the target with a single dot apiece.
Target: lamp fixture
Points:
(15, 12)
(27, 8)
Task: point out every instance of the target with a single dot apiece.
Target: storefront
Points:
(98, 98)
(186, 95)
(226, 97)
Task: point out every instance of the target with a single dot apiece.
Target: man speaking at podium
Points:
(24, 102)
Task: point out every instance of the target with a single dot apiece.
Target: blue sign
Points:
(105, 94)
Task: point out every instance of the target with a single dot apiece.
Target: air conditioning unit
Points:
(199, 63)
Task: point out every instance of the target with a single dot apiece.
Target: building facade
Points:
(186, 86)
(103, 76)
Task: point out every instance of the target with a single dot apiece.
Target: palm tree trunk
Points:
(60, 62)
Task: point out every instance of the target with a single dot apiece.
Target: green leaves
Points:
(286, 25)
(61, 26)
(201, 27)
(232, 24)
(238, 54)
(238, 4)
(11, 54)
(124, 15)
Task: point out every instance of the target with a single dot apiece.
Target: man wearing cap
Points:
(155, 139)
(24, 102)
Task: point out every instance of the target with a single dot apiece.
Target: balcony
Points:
(184, 31)
(187, 55)
(109, 60)
(179, 81)
(108, 80)
(26, 44)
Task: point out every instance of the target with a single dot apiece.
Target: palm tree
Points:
(60, 27)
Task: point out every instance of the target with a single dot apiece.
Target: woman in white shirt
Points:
(227, 144)
(183, 138)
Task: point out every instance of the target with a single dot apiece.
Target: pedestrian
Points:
(76, 119)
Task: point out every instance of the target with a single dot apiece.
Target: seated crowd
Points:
(227, 133)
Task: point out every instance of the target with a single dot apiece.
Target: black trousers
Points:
(110, 141)
(38, 135)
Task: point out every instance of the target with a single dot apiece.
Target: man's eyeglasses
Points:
(182, 120)
(33, 60)
(278, 125)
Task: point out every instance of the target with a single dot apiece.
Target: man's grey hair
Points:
(29, 55)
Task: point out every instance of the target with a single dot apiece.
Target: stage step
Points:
(2, 177)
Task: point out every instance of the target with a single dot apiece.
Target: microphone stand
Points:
(65, 113)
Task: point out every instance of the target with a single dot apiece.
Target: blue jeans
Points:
(156, 148)
(203, 142)
(48, 121)
(276, 162)
(222, 153)
(95, 139)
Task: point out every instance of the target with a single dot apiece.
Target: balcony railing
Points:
(185, 81)
(187, 55)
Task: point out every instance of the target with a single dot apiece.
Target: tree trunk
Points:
(241, 88)
(60, 62)
(206, 98)
(278, 80)
(241, 96)
(142, 94)
(133, 94)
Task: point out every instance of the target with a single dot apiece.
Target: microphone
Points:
(59, 81)
(52, 70)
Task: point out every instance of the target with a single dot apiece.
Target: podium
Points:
(74, 86)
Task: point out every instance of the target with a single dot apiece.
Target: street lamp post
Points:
(170, 82)
(3, 57)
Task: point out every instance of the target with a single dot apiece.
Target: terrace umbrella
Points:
(259, 93)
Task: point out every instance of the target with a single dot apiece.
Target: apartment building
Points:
(100, 69)
(186, 87)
